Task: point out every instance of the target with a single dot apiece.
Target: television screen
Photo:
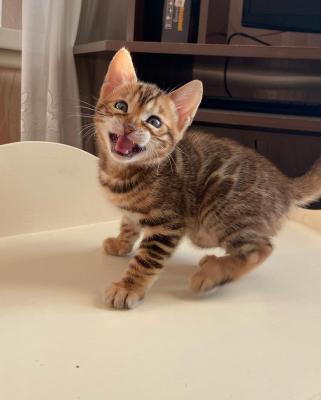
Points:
(284, 15)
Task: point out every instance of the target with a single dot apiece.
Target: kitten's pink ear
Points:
(120, 71)
(187, 99)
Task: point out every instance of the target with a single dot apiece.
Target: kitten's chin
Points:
(120, 159)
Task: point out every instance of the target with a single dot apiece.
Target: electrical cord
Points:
(227, 61)
(233, 35)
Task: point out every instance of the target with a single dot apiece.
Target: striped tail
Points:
(307, 188)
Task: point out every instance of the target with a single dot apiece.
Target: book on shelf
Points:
(179, 21)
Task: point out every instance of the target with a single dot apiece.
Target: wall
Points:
(10, 87)
(102, 19)
(10, 71)
(12, 14)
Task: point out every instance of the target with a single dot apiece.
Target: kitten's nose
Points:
(129, 128)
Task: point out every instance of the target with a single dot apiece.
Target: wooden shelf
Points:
(259, 120)
(198, 49)
(292, 142)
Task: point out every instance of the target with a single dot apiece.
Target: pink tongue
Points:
(124, 145)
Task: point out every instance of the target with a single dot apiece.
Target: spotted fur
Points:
(212, 190)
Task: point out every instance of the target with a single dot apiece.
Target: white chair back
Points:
(47, 186)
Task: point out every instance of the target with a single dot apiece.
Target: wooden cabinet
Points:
(292, 142)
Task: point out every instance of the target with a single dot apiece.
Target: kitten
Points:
(168, 184)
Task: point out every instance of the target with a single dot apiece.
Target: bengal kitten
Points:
(168, 184)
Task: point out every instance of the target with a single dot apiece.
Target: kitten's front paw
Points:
(121, 297)
(116, 247)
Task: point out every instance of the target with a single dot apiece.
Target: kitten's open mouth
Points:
(123, 146)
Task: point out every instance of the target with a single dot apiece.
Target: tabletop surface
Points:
(258, 338)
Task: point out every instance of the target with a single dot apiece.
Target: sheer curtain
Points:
(49, 92)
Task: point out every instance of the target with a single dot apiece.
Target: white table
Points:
(258, 338)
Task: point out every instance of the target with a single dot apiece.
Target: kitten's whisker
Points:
(87, 104)
(96, 113)
(172, 160)
(88, 107)
(91, 108)
(94, 110)
(153, 151)
(167, 156)
(86, 129)
(83, 128)
(86, 139)
(179, 149)
(81, 115)
(89, 134)
(88, 124)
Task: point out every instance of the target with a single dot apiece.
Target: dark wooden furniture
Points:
(201, 49)
(292, 142)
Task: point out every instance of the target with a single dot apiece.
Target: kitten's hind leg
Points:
(123, 244)
(216, 271)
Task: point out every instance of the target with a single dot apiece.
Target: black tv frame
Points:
(292, 23)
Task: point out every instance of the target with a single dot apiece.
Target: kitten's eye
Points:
(121, 105)
(155, 121)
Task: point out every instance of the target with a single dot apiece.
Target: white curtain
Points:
(49, 91)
